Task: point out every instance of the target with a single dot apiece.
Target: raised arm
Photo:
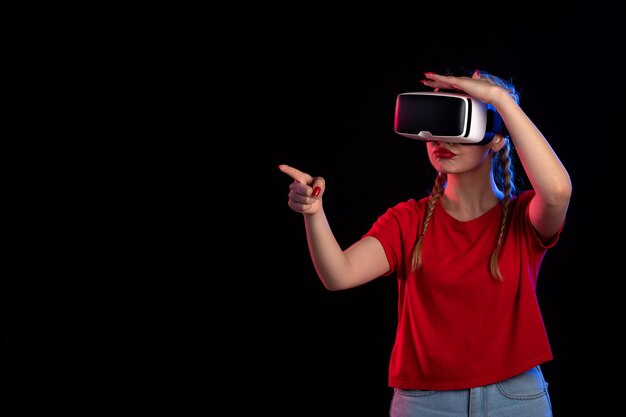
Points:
(362, 262)
(544, 170)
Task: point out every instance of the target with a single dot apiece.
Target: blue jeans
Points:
(524, 395)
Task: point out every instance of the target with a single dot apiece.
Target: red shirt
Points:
(457, 326)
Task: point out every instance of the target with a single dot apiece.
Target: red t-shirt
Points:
(457, 326)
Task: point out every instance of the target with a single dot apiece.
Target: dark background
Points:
(197, 289)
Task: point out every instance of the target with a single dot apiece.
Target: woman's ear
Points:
(497, 142)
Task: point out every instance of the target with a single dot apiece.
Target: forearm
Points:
(544, 170)
(328, 257)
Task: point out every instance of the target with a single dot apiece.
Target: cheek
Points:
(433, 160)
(429, 148)
(477, 154)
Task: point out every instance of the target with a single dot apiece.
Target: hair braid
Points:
(440, 181)
(507, 183)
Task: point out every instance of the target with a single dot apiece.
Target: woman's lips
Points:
(443, 153)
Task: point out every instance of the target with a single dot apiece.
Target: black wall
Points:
(184, 226)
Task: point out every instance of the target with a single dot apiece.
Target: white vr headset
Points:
(446, 117)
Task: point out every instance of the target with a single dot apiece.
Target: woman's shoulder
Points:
(403, 215)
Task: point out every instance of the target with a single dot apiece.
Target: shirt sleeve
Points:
(524, 204)
(396, 230)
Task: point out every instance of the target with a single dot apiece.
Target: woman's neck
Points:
(467, 200)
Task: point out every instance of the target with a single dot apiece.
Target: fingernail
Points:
(316, 191)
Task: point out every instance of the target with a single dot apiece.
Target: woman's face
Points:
(456, 158)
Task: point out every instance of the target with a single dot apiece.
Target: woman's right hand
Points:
(305, 192)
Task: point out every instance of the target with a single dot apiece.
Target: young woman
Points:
(470, 335)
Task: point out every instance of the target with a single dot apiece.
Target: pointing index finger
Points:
(294, 173)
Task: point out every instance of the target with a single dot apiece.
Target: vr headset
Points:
(446, 117)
